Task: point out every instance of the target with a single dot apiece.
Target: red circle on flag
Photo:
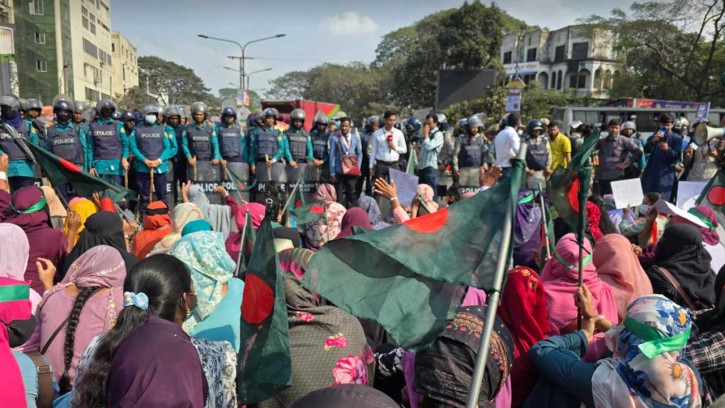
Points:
(70, 166)
(716, 195)
(257, 301)
(428, 223)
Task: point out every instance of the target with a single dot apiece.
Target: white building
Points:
(125, 65)
(575, 58)
(92, 65)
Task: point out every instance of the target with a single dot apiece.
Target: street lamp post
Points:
(243, 48)
(256, 72)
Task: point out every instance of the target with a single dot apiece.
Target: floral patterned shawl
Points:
(328, 345)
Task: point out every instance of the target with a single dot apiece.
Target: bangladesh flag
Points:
(412, 277)
(412, 161)
(713, 195)
(61, 172)
(310, 213)
(563, 186)
(265, 365)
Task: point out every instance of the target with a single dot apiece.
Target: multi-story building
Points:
(125, 65)
(64, 47)
(580, 59)
(8, 66)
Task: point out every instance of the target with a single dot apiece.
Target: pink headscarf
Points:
(560, 282)
(619, 267)
(14, 253)
(709, 236)
(13, 389)
(256, 213)
(325, 192)
(426, 193)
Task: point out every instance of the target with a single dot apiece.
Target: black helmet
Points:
(198, 107)
(276, 112)
(298, 114)
(172, 111)
(126, 116)
(150, 109)
(229, 112)
(535, 124)
(322, 120)
(23, 106)
(63, 105)
(105, 108)
(79, 106)
(35, 104)
(270, 112)
(413, 125)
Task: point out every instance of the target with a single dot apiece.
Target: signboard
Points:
(689, 191)
(627, 193)
(532, 67)
(513, 102)
(703, 111)
(406, 184)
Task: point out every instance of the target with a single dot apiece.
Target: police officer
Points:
(151, 145)
(173, 120)
(201, 142)
(67, 140)
(78, 108)
(320, 147)
(35, 109)
(23, 108)
(538, 156)
(128, 119)
(371, 124)
(298, 140)
(107, 144)
(470, 148)
(20, 170)
(629, 129)
(267, 144)
(232, 140)
(160, 117)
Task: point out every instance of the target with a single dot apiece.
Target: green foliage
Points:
(476, 40)
(174, 84)
(135, 98)
(537, 103)
(493, 105)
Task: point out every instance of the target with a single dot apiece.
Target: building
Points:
(580, 59)
(8, 66)
(125, 65)
(64, 47)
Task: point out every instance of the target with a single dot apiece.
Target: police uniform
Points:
(201, 142)
(267, 143)
(232, 143)
(321, 151)
(20, 168)
(151, 142)
(68, 142)
(538, 158)
(107, 145)
(179, 159)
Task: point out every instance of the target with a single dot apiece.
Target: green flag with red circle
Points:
(713, 195)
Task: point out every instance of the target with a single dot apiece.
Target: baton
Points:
(269, 167)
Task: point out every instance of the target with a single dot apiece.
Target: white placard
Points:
(406, 184)
(627, 193)
(687, 190)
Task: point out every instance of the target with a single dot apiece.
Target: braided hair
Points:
(70, 337)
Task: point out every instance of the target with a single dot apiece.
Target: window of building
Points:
(90, 48)
(558, 80)
(507, 57)
(578, 80)
(92, 17)
(36, 7)
(84, 11)
(41, 66)
(113, 47)
(40, 38)
(531, 55)
(580, 50)
(560, 53)
(85, 22)
(92, 28)
(92, 95)
(553, 80)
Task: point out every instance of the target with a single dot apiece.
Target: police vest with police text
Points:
(10, 146)
(298, 144)
(200, 142)
(106, 141)
(319, 145)
(266, 141)
(150, 141)
(66, 144)
(537, 155)
(470, 154)
(230, 142)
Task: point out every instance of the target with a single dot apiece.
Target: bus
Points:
(646, 119)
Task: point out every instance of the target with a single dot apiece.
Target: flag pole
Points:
(584, 175)
(502, 263)
(543, 219)
(235, 180)
(241, 244)
(292, 194)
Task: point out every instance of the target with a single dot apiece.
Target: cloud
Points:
(348, 23)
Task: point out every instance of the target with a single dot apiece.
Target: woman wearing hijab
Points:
(560, 276)
(527, 230)
(219, 216)
(354, 217)
(84, 304)
(14, 254)
(84, 208)
(327, 344)
(102, 228)
(30, 212)
(646, 369)
(346, 396)
(156, 225)
(219, 293)
(444, 371)
(256, 214)
(55, 207)
(708, 227)
(523, 311)
(681, 269)
(369, 204)
(422, 204)
(618, 266)
(183, 214)
(706, 346)
(318, 233)
(14, 306)
(146, 359)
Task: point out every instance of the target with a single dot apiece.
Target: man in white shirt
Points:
(388, 144)
(507, 142)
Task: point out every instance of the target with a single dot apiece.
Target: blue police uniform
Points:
(232, 143)
(68, 141)
(107, 144)
(20, 168)
(151, 142)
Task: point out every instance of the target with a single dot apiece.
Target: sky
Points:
(317, 31)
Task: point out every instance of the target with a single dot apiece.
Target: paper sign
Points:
(667, 208)
(406, 184)
(687, 190)
(627, 193)
(703, 111)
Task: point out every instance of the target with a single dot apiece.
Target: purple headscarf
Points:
(354, 217)
(28, 209)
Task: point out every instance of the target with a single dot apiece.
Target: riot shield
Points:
(208, 176)
(274, 176)
(240, 170)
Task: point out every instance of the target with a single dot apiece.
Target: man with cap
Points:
(629, 130)
(664, 149)
(35, 109)
(298, 140)
(66, 140)
(173, 120)
(267, 145)
(560, 146)
(152, 146)
(107, 144)
(616, 154)
(538, 156)
(20, 169)
(201, 142)
(320, 146)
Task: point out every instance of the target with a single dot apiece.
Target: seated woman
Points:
(560, 277)
(646, 370)
(422, 202)
(327, 345)
(256, 214)
(708, 227)
(354, 217)
(219, 216)
(618, 266)
(181, 215)
(444, 371)
(316, 234)
(369, 204)
(681, 269)
(156, 225)
(80, 210)
(217, 312)
(83, 305)
(146, 359)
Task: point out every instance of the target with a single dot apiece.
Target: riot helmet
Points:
(474, 122)
(413, 125)
(127, 116)
(105, 109)
(198, 108)
(9, 107)
(79, 107)
(172, 111)
(23, 105)
(63, 111)
(35, 104)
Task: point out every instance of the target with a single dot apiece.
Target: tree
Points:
(135, 98)
(537, 103)
(473, 38)
(289, 86)
(172, 83)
